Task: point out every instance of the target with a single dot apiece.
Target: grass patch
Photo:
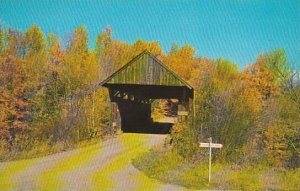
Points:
(41, 149)
(168, 167)
(196, 175)
(244, 179)
(290, 180)
(38, 150)
(156, 164)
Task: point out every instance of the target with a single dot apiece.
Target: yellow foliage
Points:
(182, 61)
(276, 143)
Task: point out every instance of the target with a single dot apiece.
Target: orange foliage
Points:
(259, 84)
(12, 101)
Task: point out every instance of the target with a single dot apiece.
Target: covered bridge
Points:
(133, 87)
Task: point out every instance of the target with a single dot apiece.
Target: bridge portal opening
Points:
(164, 110)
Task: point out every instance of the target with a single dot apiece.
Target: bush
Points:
(184, 141)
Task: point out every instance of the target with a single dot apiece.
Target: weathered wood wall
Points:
(145, 70)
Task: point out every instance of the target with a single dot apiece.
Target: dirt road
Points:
(104, 166)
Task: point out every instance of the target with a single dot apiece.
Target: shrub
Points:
(184, 141)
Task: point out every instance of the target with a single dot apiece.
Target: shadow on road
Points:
(150, 128)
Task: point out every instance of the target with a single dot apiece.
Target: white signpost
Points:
(210, 145)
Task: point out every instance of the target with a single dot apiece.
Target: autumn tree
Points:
(50, 95)
(13, 115)
(182, 61)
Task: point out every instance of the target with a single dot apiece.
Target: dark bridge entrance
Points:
(133, 88)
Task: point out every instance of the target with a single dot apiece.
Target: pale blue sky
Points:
(238, 30)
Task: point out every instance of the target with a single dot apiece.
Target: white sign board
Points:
(213, 145)
(183, 113)
(210, 145)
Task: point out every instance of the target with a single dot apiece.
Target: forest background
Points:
(50, 100)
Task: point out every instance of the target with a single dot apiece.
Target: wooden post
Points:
(210, 145)
(194, 110)
(209, 165)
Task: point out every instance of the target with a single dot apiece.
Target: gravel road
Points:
(109, 168)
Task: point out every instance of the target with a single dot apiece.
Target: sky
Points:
(238, 30)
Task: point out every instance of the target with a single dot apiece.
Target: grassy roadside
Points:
(168, 167)
(290, 179)
(44, 149)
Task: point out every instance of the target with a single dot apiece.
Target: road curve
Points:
(104, 166)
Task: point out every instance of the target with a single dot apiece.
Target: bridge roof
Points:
(145, 69)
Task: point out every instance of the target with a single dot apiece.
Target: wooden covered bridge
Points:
(133, 87)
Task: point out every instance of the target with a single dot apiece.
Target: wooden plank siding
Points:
(145, 69)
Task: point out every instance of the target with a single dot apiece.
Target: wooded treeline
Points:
(50, 95)
(254, 113)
